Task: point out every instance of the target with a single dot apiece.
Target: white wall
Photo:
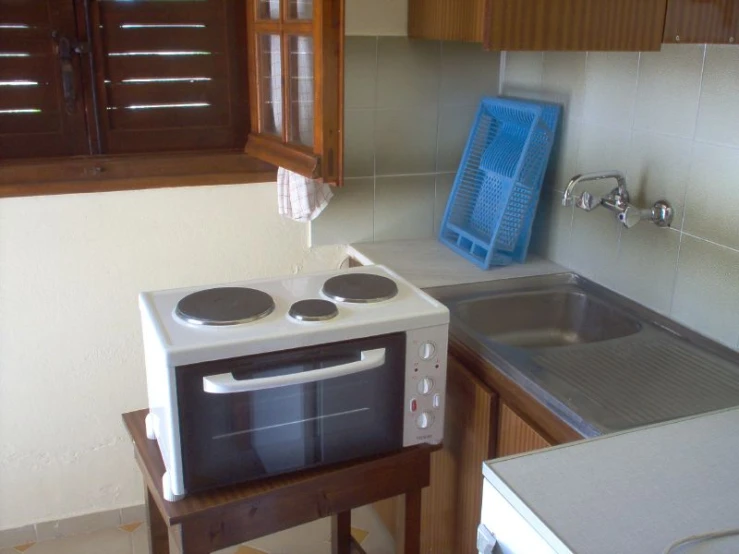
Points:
(70, 347)
(377, 17)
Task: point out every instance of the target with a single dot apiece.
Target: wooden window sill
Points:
(130, 172)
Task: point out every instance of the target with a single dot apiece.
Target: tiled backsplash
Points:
(409, 108)
(669, 120)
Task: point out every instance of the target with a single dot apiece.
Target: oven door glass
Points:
(268, 414)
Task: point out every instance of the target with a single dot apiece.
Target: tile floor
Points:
(311, 538)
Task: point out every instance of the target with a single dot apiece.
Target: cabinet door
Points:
(515, 436)
(451, 505)
(296, 58)
(635, 25)
(700, 21)
(460, 20)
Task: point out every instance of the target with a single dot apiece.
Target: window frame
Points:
(106, 172)
(324, 160)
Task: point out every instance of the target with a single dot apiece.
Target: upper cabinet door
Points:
(713, 21)
(296, 97)
(574, 24)
(460, 20)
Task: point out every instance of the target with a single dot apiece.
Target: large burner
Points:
(224, 306)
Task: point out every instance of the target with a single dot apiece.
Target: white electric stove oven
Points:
(259, 378)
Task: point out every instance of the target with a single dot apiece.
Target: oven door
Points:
(268, 414)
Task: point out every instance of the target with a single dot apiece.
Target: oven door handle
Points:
(226, 383)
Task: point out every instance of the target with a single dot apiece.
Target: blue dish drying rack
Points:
(493, 202)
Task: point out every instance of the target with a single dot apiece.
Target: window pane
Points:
(268, 9)
(300, 50)
(300, 9)
(270, 83)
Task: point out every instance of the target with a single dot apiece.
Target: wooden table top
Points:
(330, 489)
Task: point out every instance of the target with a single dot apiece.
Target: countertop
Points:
(428, 263)
(636, 491)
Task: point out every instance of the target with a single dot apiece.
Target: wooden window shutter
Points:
(296, 83)
(170, 74)
(36, 51)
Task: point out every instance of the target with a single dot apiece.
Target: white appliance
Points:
(268, 376)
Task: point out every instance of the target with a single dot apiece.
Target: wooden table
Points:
(217, 519)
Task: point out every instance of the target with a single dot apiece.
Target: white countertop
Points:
(428, 263)
(633, 492)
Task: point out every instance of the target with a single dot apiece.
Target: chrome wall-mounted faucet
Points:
(617, 200)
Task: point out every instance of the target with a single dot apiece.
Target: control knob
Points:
(425, 420)
(425, 385)
(427, 350)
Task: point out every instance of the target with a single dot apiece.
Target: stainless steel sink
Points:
(545, 318)
(598, 360)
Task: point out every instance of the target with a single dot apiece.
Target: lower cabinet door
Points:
(451, 505)
(515, 436)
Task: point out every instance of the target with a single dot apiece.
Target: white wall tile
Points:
(565, 155)
(467, 73)
(707, 290)
(408, 72)
(359, 143)
(360, 72)
(563, 78)
(659, 169)
(610, 87)
(523, 73)
(349, 217)
(669, 89)
(718, 115)
(646, 263)
(593, 247)
(405, 140)
(404, 207)
(602, 147)
(550, 236)
(444, 183)
(712, 201)
(455, 123)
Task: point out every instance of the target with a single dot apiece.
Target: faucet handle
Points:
(633, 215)
(587, 201)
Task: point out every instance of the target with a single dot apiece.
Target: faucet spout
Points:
(567, 199)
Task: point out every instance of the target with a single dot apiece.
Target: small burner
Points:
(313, 310)
(224, 306)
(360, 288)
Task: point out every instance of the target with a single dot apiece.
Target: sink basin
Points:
(544, 319)
(599, 361)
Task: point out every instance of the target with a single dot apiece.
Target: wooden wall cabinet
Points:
(699, 21)
(635, 25)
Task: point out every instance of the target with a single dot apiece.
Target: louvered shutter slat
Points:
(174, 76)
(34, 121)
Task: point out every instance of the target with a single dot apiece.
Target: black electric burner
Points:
(313, 310)
(224, 306)
(360, 288)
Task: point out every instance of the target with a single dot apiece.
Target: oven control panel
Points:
(425, 385)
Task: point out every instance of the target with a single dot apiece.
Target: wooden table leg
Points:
(158, 532)
(413, 522)
(341, 533)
